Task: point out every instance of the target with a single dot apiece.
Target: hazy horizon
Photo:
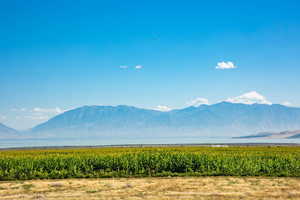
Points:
(57, 111)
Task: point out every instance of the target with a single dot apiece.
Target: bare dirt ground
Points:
(153, 188)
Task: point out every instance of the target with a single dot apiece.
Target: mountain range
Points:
(6, 131)
(218, 120)
(270, 135)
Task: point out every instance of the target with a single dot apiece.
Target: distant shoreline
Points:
(155, 145)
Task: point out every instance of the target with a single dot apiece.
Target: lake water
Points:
(5, 143)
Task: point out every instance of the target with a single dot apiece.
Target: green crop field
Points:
(149, 161)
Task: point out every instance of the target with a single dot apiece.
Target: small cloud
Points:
(225, 65)
(37, 117)
(39, 110)
(37, 113)
(123, 67)
(286, 103)
(3, 117)
(138, 67)
(250, 98)
(134, 67)
(162, 108)
(198, 102)
(19, 109)
(48, 110)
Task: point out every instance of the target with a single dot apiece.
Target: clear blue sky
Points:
(68, 53)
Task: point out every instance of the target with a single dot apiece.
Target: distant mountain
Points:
(7, 132)
(280, 135)
(218, 120)
(105, 121)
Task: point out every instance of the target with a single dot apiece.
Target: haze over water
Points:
(94, 142)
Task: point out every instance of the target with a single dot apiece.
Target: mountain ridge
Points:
(221, 119)
(274, 135)
(6, 131)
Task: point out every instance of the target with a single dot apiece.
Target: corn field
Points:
(142, 162)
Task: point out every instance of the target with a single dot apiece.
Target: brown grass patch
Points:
(154, 188)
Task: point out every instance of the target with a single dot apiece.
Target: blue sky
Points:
(61, 54)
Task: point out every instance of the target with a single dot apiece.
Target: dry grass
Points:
(153, 188)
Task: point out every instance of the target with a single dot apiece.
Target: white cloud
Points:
(48, 110)
(162, 108)
(2, 117)
(37, 113)
(286, 103)
(39, 110)
(127, 67)
(43, 113)
(198, 102)
(250, 98)
(225, 65)
(123, 67)
(138, 67)
(37, 117)
(19, 109)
